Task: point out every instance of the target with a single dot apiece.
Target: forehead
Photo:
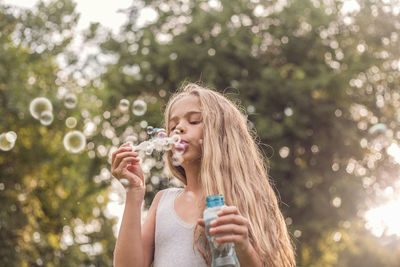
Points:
(185, 104)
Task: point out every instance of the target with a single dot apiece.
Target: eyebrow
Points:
(186, 114)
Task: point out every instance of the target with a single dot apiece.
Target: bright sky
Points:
(105, 12)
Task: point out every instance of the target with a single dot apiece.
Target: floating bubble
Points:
(70, 100)
(177, 131)
(149, 149)
(74, 141)
(38, 105)
(179, 148)
(149, 130)
(160, 142)
(176, 139)
(139, 107)
(46, 117)
(5, 143)
(131, 139)
(380, 136)
(161, 135)
(70, 122)
(167, 147)
(11, 136)
(176, 160)
(124, 105)
(377, 129)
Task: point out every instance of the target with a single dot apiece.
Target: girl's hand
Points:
(125, 165)
(232, 227)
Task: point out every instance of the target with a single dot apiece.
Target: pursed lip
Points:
(183, 145)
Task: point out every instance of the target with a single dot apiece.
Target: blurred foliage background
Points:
(316, 79)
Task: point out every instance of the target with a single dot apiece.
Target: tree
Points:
(52, 209)
(296, 67)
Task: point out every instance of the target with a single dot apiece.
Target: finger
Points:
(229, 239)
(228, 210)
(133, 180)
(123, 164)
(122, 155)
(125, 161)
(229, 229)
(230, 218)
(119, 150)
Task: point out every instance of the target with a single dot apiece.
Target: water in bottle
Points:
(223, 254)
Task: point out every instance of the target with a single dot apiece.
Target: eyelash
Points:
(192, 122)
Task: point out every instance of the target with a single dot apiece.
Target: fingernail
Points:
(213, 223)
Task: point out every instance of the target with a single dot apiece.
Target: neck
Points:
(193, 185)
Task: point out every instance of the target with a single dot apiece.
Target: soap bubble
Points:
(7, 141)
(11, 136)
(179, 148)
(161, 133)
(46, 117)
(377, 129)
(38, 105)
(160, 142)
(70, 122)
(74, 141)
(131, 139)
(380, 136)
(149, 149)
(176, 160)
(176, 139)
(70, 100)
(124, 105)
(149, 130)
(139, 107)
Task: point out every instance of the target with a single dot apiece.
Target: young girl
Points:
(220, 158)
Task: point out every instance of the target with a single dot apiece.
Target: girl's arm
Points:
(248, 257)
(128, 249)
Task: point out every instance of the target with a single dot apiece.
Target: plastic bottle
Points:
(223, 254)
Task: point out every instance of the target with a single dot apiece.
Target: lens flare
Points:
(139, 107)
(74, 141)
(70, 122)
(46, 117)
(70, 100)
(38, 105)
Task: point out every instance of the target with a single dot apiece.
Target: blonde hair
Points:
(233, 165)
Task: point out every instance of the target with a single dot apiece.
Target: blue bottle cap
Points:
(215, 201)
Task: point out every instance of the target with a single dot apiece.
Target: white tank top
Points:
(173, 236)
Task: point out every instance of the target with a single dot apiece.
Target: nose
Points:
(179, 128)
(178, 131)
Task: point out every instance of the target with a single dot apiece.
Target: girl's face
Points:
(186, 120)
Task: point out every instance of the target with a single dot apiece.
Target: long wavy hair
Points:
(232, 164)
